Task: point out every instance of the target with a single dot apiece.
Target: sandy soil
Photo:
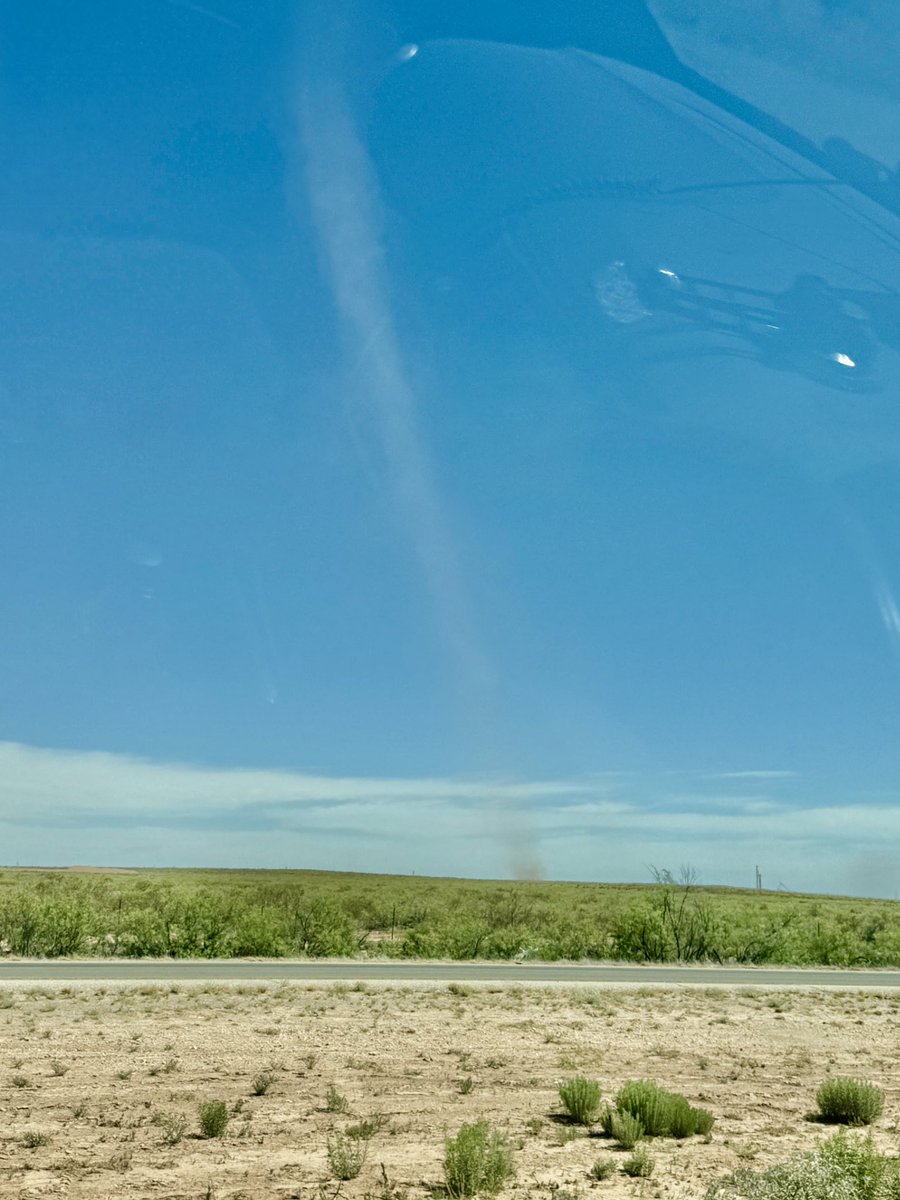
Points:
(95, 1071)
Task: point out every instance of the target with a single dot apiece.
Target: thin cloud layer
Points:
(66, 807)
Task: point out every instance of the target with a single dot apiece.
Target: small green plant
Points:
(173, 1126)
(123, 1075)
(640, 1164)
(262, 1082)
(478, 1159)
(19, 1081)
(465, 1086)
(602, 1169)
(213, 1118)
(367, 1128)
(334, 1101)
(57, 1068)
(534, 1125)
(581, 1099)
(845, 1101)
(346, 1156)
(626, 1129)
(32, 1138)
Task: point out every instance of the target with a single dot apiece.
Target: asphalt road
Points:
(324, 971)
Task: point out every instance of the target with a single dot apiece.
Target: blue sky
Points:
(381, 488)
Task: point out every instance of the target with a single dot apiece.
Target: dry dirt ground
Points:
(92, 1075)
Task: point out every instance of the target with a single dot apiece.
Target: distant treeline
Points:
(208, 914)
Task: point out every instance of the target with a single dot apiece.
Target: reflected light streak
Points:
(890, 613)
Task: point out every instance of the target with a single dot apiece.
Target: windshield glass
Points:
(452, 439)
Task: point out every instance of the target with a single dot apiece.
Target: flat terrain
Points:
(101, 1075)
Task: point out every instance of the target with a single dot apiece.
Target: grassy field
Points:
(210, 914)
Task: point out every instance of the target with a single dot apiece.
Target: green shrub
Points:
(200, 914)
(334, 1101)
(872, 1173)
(173, 1126)
(640, 1164)
(262, 1082)
(682, 1118)
(841, 1168)
(661, 1113)
(847, 1101)
(703, 1121)
(581, 1099)
(602, 1169)
(626, 1129)
(323, 928)
(32, 1138)
(213, 1118)
(478, 1159)
(465, 1086)
(346, 1156)
(649, 1103)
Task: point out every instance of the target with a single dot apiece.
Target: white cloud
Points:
(64, 806)
(37, 783)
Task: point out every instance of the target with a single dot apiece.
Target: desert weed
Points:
(845, 1101)
(368, 1127)
(842, 1168)
(346, 1155)
(334, 1101)
(173, 1126)
(213, 1118)
(626, 1129)
(640, 1164)
(32, 1138)
(581, 1099)
(602, 1169)
(478, 1159)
